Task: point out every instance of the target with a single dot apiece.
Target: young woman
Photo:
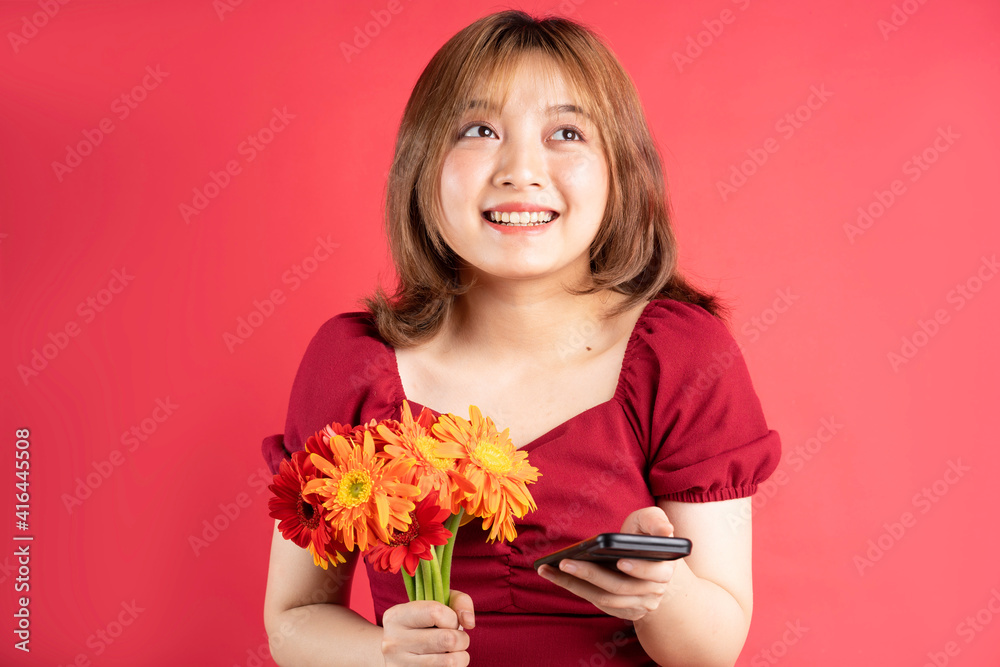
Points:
(528, 222)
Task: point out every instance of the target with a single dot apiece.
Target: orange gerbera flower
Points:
(362, 493)
(371, 427)
(300, 519)
(319, 443)
(498, 471)
(434, 470)
(407, 548)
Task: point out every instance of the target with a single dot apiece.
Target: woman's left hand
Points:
(638, 586)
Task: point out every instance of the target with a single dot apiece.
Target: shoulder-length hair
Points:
(634, 252)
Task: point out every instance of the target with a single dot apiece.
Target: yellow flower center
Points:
(492, 458)
(427, 446)
(355, 488)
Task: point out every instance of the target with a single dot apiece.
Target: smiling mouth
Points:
(523, 219)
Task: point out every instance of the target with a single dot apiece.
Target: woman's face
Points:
(537, 155)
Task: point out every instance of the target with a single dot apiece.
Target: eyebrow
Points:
(554, 109)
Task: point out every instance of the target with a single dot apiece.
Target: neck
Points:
(518, 320)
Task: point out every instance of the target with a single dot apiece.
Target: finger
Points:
(414, 628)
(602, 585)
(425, 614)
(435, 641)
(659, 571)
(463, 607)
(649, 521)
(611, 581)
(461, 659)
(600, 597)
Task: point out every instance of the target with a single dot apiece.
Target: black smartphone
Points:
(607, 548)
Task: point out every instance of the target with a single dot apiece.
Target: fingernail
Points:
(566, 566)
(468, 620)
(625, 565)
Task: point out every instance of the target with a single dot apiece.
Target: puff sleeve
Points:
(707, 437)
(323, 391)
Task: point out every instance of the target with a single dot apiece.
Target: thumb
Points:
(648, 521)
(461, 603)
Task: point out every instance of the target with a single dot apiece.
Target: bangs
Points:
(486, 79)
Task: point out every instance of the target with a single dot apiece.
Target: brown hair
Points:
(634, 252)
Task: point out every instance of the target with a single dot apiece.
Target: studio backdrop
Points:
(189, 189)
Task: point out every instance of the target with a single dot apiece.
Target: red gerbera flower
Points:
(319, 443)
(406, 549)
(300, 518)
(372, 427)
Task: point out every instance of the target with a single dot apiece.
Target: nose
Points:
(521, 164)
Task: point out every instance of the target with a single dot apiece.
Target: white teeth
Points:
(522, 218)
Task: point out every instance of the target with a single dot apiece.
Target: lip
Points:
(517, 207)
(531, 230)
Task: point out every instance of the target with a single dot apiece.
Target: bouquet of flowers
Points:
(398, 492)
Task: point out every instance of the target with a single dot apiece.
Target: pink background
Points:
(839, 491)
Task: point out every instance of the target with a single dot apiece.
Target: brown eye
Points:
(570, 134)
(482, 131)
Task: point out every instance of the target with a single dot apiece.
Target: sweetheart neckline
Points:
(547, 436)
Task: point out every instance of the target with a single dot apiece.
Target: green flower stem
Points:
(428, 580)
(411, 592)
(418, 583)
(452, 524)
(436, 578)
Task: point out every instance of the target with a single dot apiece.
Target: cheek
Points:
(457, 196)
(460, 170)
(451, 176)
(587, 176)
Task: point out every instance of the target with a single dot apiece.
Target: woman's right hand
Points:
(424, 632)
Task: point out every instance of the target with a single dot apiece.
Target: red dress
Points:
(685, 424)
